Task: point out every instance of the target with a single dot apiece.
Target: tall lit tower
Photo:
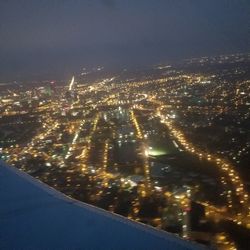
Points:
(71, 83)
(70, 92)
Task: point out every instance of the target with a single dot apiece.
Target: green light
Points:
(157, 152)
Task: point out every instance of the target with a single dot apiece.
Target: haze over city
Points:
(54, 38)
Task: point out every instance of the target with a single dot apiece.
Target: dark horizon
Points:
(55, 38)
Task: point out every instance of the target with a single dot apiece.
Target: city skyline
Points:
(168, 147)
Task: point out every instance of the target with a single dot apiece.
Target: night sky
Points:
(40, 38)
